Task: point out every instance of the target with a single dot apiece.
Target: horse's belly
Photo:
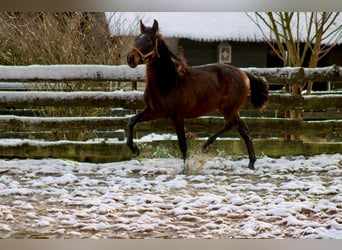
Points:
(200, 109)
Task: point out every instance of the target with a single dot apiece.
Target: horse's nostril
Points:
(131, 61)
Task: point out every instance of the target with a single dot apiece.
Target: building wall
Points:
(249, 54)
(246, 54)
(335, 56)
(198, 53)
(243, 54)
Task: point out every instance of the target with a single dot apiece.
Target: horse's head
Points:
(145, 47)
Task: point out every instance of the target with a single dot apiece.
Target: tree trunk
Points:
(315, 52)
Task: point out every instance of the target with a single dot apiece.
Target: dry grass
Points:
(58, 38)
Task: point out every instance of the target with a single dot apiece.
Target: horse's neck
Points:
(161, 74)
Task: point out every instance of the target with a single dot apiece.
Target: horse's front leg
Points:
(145, 115)
(133, 147)
(179, 126)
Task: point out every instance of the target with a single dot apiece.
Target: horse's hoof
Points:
(251, 166)
(205, 149)
(134, 149)
(185, 169)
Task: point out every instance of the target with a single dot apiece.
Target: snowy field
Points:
(290, 197)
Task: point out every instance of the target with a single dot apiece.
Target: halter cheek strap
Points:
(144, 57)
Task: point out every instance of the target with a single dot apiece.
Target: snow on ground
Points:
(289, 197)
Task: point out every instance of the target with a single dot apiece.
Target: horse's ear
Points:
(155, 26)
(142, 26)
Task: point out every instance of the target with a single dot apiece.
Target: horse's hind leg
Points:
(244, 132)
(213, 138)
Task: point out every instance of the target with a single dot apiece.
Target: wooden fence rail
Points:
(202, 127)
(299, 74)
(134, 100)
(71, 73)
(129, 99)
(124, 73)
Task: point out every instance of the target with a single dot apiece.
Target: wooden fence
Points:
(320, 130)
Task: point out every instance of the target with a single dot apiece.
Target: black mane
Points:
(178, 60)
(169, 67)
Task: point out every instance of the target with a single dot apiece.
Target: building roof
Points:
(203, 26)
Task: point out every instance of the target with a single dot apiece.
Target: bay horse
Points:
(176, 91)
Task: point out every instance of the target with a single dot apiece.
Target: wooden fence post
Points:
(134, 85)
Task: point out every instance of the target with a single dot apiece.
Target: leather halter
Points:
(144, 57)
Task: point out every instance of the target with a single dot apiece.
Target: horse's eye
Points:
(149, 41)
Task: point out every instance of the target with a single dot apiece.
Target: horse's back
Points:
(226, 70)
(227, 77)
(214, 86)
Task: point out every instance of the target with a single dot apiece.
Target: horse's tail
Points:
(259, 91)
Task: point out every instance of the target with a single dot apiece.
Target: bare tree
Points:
(296, 36)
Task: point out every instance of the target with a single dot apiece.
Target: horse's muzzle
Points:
(131, 61)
